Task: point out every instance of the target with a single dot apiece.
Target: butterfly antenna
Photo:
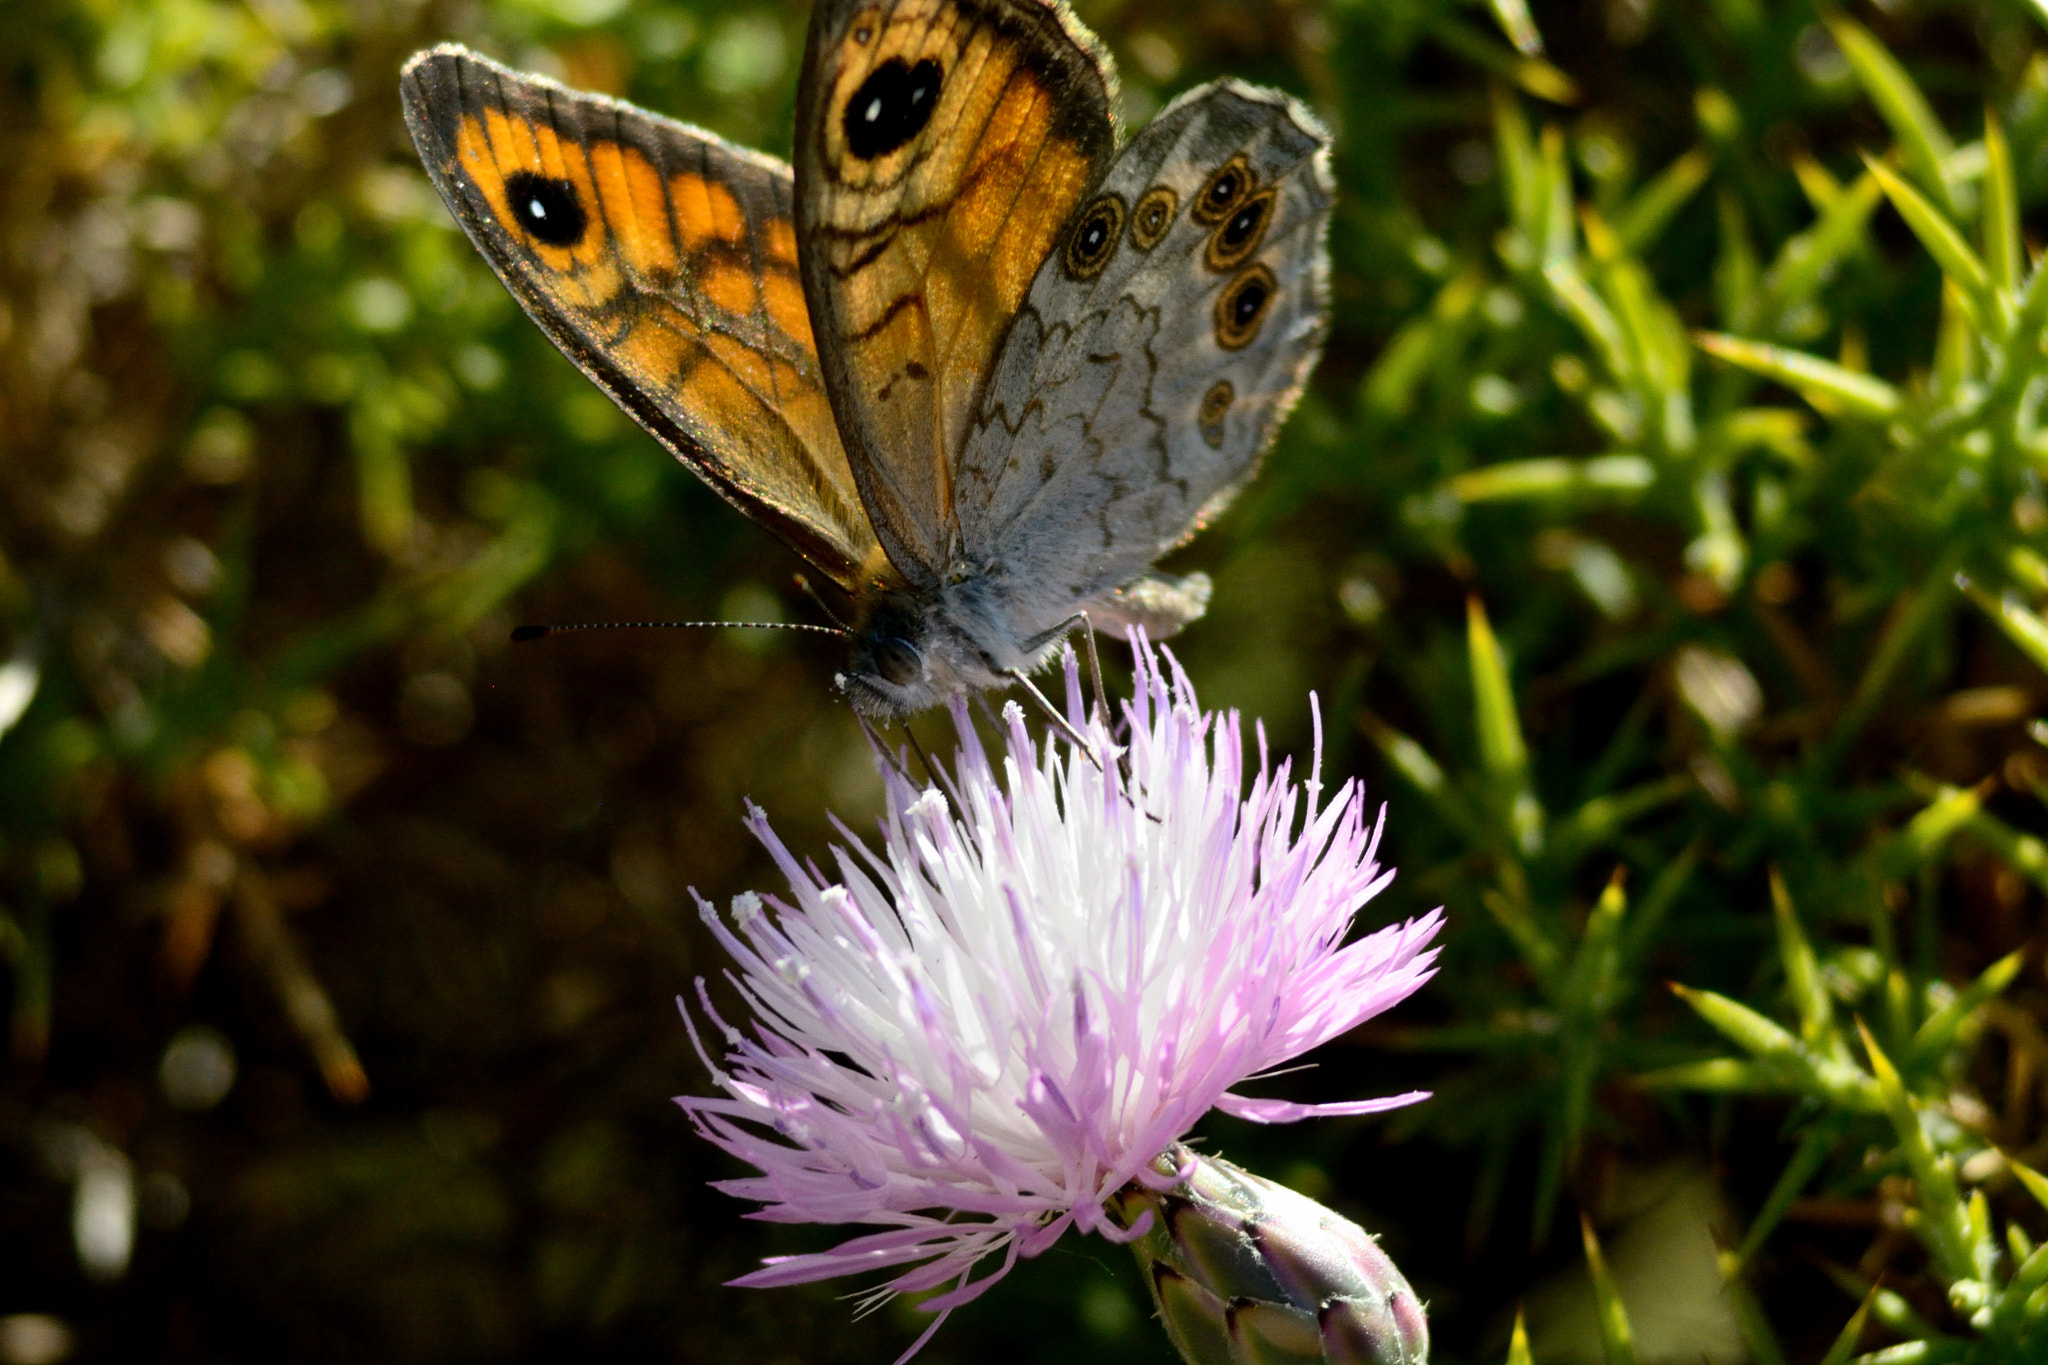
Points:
(525, 633)
(803, 584)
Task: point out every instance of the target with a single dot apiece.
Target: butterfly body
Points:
(977, 363)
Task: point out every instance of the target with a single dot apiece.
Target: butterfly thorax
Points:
(915, 647)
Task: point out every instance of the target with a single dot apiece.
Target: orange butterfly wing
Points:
(663, 261)
(940, 147)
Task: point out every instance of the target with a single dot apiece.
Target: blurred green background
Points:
(338, 939)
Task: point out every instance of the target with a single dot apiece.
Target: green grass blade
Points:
(1828, 386)
(1795, 1067)
(1807, 261)
(1421, 346)
(2001, 212)
(1553, 476)
(1944, 1223)
(1617, 1338)
(1802, 969)
(2036, 1183)
(1521, 171)
(1913, 617)
(1922, 140)
(1749, 1314)
(1925, 835)
(1932, 1040)
(1807, 1158)
(2021, 626)
(1737, 273)
(1532, 73)
(1518, 1343)
(1518, 24)
(1851, 1333)
(1501, 750)
(1576, 299)
(1650, 208)
(1932, 226)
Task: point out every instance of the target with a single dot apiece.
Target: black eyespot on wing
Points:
(547, 210)
(1223, 191)
(1242, 307)
(1215, 407)
(1093, 240)
(1240, 234)
(897, 661)
(891, 107)
(1153, 216)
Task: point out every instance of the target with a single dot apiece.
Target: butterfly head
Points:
(912, 650)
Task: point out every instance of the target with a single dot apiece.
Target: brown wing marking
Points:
(680, 296)
(919, 254)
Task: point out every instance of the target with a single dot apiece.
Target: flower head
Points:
(976, 1034)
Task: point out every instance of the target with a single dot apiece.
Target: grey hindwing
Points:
(1161, 344)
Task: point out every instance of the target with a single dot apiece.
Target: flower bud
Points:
(1247, 1272)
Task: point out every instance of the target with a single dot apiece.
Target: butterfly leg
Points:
(1052, 713)
(1094, 663)
(1079, 618)
(931, 772)
(894, 758)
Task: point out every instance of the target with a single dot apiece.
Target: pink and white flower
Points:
(975, 1035)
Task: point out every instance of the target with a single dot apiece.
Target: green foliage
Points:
(1664, 533)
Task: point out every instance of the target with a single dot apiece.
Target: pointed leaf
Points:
(2021, 626)
(1617, 1338)
(1926, 833)
(1531, 72)
(1812, 1152)
(1518, 1344)
(1749, 1315)
(1799, 1070)
(1826, 385)
(1802, 969)
(1737, 274)
(2036, 1183)
(1943, 1223)
(2001, 212)
(1650, 208)
(1521, 171)
(1423, 344)
(1808, 260)
(1943, 242)
(1851, 1333)
(1923, 141)
(1515, 20)
(1553, 476)
(1501, 749)
(1577, 301)
(1935, 1036)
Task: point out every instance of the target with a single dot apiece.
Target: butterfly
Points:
(977, 363)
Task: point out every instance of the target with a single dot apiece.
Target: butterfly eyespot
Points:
(1241, 308)
(1093, 240)
(891, 107)
(1215, 407)
(1240, 234)
(1223, 191)
(897, 661)
(1153, 216)
(546, 210)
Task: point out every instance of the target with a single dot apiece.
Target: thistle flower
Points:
(978, 1034)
